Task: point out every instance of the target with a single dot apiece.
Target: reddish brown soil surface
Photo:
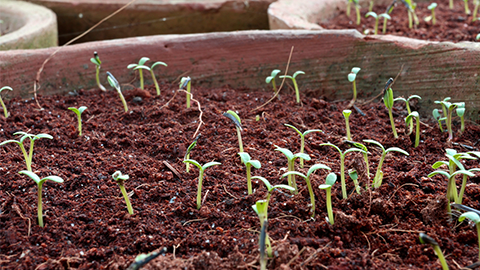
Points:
(87, 225)
(452, 24)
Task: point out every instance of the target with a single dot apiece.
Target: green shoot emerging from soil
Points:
(271, 79)
(28, 156)
(425, 239)
(114, 83)
(39, 190)
(200, 176)
(294, 80)
(78, 112)
(451, 188)
(438, 116)
(461, 113)
(411, 12)
(346, 114)
(140, 67)
(309, 185)
(5, 112)
(238, 125)
(352, 76)
(476, 219)
(357, 11)
(189, 149)
(186, 84)
(448, 108)
(377, 180)
(349, 7)
(475, 10)
(291, 165)
(432, 17)
(417, 130)
(120, 179)
(409, 110)
(467, 10)
(388, 100)
(342, 165)
(97, 62)
(302, 139)
(329, 182)
(249, 162)
(157, 87)
(377, 17)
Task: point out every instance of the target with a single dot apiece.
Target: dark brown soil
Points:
(451, 25)
(87, 225)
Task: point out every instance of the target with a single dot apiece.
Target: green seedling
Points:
(294, 80)
(425, 239)
(200, 176)
(39, 190)
(411, 13)
(329, 182)
(432, 17)
(346, 114)
(97, 62)
(461, 113)
(467, 10)
(114, 83)
(370, 6)
(342, 164)
(409, 110)
(157, 87)
(309, 185)
(357, 11)
(377, 180)
(249, 162)
(476, 219)
(475, 10)
(417, 130)
(352, 76)
(354, 176)
(28, 156)
(349, 7)
(238, 125)
(140, 67)
(438, 116)
(291, 164)
(271, 79)
(387, 11)
(261, 207)
(186, 84)
(448, 108)
(377, 17)
(451, 182)
(365, 157)
(302, 139)
(120, 179)
(388, 101)
(78, 112)
(5, 112)
(189, 149)
(262, 244)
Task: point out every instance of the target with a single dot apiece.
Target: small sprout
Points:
(451, 192)
(186, 84)
(294, 80)
(354, 176)
(329, 182)
(387, 11)
(309, 185)
(370, 6)
(346, 114)
(342, 164)
(249, 162)
(467, 10)
(291, 165)
(377, 17)
(476, 219)
(189, 149)
(153, 75)
(78, 112)
(388, 100)
(478, 37)
(97, 62)
(200, 176)
(238, 125)
(349, 7)
(411, 12)
(302, 139)
(461, 113)
(417, 130)
(409, 110)
(351, 78)
(448, 108)
(475, 10)
(39, 190)
(271, 79)
(425, 239)
(377, 180)
(432, 17)
(140, 67)
(120, 179)
(438, 116)
(5, 112)
(28, 156)
(114, 83)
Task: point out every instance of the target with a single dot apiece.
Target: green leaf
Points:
(32, 175)
(112, 81)
(234, 117)
(376, 143)
(141, 67)
(471, 216)
(210, 164)
(265, 181)
(42, 136)
(444, 173)
(286, 152)
(117, 175)
(275, 72)
(332, 145)
(158, 63)
(396, 149)
(184, 82)
(317, 167)
(438, 164)
(261, 207)
(194, 162)
(296, 129)
(287, 187)
(346, 113)
(143, 60)
(456, 161)
(255, 163)
(311, 130)
(293, 173)
(414, 96)
(299, 72)
(354, 150)
(6, 88)
(432, 6)
(302, 156)
(329, 181)
(436, 114)
(245, 157)
(385, 15)
(82, 109)
(371, 13)
(131, 66)
(53, 178)
(351, 77)
(467, 173)
(353, 174)
(93, 60)
(355, 70)
(284, 76)
(9, 141)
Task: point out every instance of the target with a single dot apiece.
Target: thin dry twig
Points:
(281, 85)
(381, 93)
(407, 184)
(295, 257)
(229, 192)
(17, 209)
(37, 78)
(172, 169)
(205, 197)
(193, 220)
(315, 255)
